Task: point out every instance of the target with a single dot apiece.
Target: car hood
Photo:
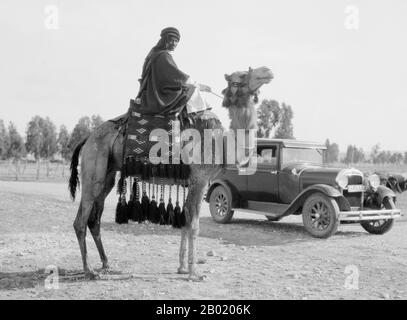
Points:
(310, 174)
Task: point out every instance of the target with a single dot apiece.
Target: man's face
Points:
(172, 43)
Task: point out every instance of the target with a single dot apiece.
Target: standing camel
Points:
(102, 155)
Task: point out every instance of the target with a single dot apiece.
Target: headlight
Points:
(374, 181)
(342, 180)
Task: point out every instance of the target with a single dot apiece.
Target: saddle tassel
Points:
(177, 212)
(136, 212)
(153, 210)
(145, 203)
(183, 215)
(161, 208)
(130, 202)
(122, 207)
(169, 217)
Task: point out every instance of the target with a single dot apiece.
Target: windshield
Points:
(295, 155)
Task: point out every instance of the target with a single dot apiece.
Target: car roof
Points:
(290, 143)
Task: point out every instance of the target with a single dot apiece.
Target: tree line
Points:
(274, 120)
(356, 154)
(42, 140)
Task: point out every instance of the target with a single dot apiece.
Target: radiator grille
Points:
(354, 179)
(354, 198)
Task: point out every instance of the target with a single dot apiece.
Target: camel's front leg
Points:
(182, 251)
(189, 233)
(192, 243)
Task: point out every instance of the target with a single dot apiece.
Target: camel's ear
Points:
(227, 77)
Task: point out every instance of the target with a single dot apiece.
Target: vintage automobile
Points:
(292, 178)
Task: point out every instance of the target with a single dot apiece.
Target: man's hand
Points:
(204, 87)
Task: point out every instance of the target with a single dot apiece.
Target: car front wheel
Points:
(380, 226)
(220, 205)
(320, 215)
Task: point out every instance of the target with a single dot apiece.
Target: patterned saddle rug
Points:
(144, 132)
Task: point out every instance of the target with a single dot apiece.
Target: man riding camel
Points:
(164, 87)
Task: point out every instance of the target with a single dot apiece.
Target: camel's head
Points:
(258, 77)
(245, 85)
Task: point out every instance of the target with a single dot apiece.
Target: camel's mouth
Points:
(266, 78)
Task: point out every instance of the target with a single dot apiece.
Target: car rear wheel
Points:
(220, 205)
(380, 226)
(320, 215)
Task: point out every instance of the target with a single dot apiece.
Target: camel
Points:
(101, 158)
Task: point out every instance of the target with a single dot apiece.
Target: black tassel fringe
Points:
(169, 214)
(121, 211)
(145, 206)
(176, 223)
(153, 212)
(162, 213)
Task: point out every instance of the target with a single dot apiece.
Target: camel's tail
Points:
(74, 179)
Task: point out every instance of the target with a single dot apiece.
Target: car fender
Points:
(327, 190)
(230, 189)
(384, 192)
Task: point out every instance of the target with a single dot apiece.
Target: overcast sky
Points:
(345, 81)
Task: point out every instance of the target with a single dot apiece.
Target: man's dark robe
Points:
(163, 86)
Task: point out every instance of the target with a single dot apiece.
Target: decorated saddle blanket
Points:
(151, 144)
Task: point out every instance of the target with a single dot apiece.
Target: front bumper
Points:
(364, 215)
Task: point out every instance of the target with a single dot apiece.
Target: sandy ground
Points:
(254, 258)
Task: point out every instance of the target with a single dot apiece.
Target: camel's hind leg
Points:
(80, 224)
(94, 185)
(94, 219)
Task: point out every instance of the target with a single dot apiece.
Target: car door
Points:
(238, 181)
(263, 184)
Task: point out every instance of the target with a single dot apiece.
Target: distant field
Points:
(58, 172)
(28, 171)
(367, 167)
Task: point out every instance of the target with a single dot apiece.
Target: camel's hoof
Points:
(195, 277)
(92, 275)
(182, 270)
(106, 270)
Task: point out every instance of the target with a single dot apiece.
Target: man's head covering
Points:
(170, 31)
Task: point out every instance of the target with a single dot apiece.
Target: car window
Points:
(267, 156)
(297, 155)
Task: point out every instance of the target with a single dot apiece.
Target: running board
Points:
(273, 210)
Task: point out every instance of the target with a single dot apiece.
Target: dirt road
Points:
(254, 258)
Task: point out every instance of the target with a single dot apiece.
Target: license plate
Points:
(356, 188)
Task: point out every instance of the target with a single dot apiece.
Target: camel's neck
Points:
(243, 117)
